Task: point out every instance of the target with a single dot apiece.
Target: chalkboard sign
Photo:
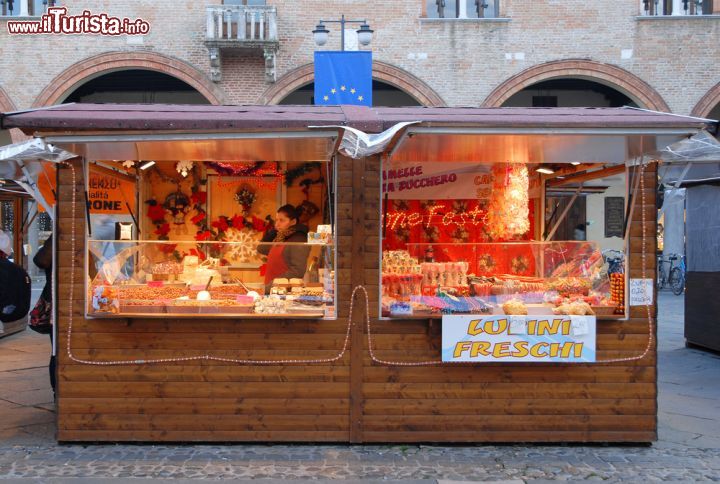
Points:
(614, 216)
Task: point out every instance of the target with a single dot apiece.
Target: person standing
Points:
(43, 308)
(285, 261)
(15, 288)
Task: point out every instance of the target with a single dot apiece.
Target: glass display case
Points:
(154, 278)
(514, 278)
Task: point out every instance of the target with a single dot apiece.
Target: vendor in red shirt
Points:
(285, 261)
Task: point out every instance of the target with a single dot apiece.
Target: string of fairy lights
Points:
(358, 289)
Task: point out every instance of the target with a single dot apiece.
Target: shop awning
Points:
(177, 132)
(223, 133)
(276, 146)
(25, 163)
(536, 135)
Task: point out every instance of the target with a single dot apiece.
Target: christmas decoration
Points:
(128, 163)
(295, 173)
(155, 212)
(178, 204)
(184, 167)
(507, 215)
(245, 249)
(236, 169)
(245, 197)
(519, 264)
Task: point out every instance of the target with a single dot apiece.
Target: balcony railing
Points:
(658, 8)
(242, 23)
(462, 9)
(244, 28)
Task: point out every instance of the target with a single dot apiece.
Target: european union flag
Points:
(343, 78)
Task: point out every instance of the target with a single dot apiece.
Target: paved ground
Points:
(688, 449)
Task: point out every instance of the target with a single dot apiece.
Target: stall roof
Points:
(182, 117)
(619, 118)
(123, 117)
(156, 131)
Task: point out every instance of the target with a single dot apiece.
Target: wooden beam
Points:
(592, 175)
(357, 279)
(572, 170)
(564, 214)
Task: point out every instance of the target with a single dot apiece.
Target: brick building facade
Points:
(664, 63)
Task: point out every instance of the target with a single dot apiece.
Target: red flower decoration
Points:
(198, 218)
(258, 224)
(167, 248)
(199, 198)
(156, 213)
(206, 235)
(238, 221)
(221, 224)
(163, 230)
(195, 252)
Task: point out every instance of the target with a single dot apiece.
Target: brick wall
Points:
(462, 61)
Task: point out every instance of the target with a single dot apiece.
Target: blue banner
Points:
(343, 78)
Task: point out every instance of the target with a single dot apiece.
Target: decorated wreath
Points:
(245, 197)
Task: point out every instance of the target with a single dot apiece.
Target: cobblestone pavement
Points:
(688, 449)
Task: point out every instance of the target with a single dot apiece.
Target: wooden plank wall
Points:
(509, 402)
(199, 400)
(353, 399)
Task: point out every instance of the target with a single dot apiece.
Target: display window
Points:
(501, 239)
(220, 238)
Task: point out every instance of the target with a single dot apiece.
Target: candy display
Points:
(105, 299)
(576, 308)
(617, 290)
(566, 286)
(554, 278)
(515, 307)
(167, 271)
(140, 280)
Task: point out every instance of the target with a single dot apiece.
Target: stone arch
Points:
(707, 103)
(382, 71)
(629, 84)
(6, 104)
(98, 65)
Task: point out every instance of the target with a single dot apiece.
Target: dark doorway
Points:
(136, 86)
(567, 93)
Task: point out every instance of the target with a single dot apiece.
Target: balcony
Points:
(241, 28)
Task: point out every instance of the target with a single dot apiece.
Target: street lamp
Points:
(320, 34)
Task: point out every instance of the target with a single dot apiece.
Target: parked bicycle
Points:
(671, 273)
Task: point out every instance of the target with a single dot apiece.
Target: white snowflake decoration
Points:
(184, 167)
(245, 248)
(128, 163)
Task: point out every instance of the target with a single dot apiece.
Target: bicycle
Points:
(677, 277)
(673, 277)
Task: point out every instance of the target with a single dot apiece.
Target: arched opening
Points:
(384, 94)
(603, 76)
(82, 72)
(568, 92)
(136, 86)
(715, 112)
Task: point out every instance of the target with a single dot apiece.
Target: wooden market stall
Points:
(333, 376)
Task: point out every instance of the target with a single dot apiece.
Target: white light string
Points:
(371, 348)
(642, 355)
(206, 357)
